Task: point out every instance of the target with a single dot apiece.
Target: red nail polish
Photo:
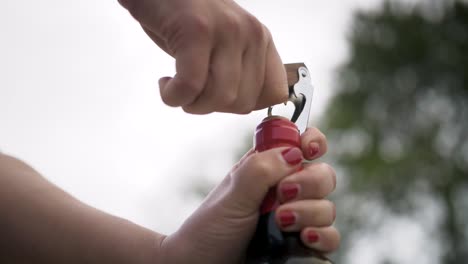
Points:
(292, 156)
(287, 218)
(289, 191)
(313, 149)
(312, 236)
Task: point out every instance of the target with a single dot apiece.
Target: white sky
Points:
(79, 100)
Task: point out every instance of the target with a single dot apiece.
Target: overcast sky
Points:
(79, 100)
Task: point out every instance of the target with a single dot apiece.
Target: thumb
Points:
(260, 171)
(226, 219)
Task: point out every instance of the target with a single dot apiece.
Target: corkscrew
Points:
(301, 92)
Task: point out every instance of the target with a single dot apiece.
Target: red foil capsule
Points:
(276, 131)
(273, 132)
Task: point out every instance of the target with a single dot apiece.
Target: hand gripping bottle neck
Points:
(269, 244)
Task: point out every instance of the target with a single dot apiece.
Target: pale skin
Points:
(226, 62)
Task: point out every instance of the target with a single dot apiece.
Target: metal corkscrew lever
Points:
(300, 94)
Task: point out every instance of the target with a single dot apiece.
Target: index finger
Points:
(192, 62)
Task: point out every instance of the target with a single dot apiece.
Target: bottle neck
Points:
(269, 244)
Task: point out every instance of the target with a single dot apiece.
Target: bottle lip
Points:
(277, 121)
(275, 117)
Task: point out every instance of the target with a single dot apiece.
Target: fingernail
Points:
(313, 149)
(163, 82)
(292, 156)
(287, 218)
(289, 191)
(312, 236)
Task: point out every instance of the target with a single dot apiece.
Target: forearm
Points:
(41, 223)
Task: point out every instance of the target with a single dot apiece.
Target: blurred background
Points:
(79, 102)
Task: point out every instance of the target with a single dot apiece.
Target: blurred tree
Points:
(398, 124)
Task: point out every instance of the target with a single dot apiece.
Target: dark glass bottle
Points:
(269, 244)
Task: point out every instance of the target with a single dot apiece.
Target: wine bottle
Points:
(269, 244)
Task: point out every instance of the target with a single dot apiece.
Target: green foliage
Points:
(398, 123)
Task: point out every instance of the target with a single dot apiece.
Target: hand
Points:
(226, 60)
(220, 230)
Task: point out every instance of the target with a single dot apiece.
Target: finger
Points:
(275, 86)
(192, 62)
(313, 143)
(188, 39)
(324, 239)
(262, 170)
(225, 69)
(296, 215)
(158, 40)
(223, 83)
(314, 181)
(253, 67)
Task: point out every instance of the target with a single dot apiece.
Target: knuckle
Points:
(190, 87)
(197, 25)
(232, 24)
(259, 171)
(258, 165)
(266, 37)
(228, 97)
(257, 30)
